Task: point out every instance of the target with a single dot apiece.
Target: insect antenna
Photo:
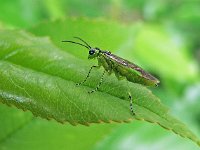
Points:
(83, 41)
(77, 43)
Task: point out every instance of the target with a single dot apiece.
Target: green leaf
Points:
(20, 131)
(142, 135)
(38, 76)
(98, 33)
(11, 121)
(160, 44)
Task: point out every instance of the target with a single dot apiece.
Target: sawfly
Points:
(122, 68)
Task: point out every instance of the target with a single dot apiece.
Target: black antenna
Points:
(88, 47)
(83, 41)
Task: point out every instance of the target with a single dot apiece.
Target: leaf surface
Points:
(38, 76)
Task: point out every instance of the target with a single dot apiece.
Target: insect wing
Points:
(129, 64)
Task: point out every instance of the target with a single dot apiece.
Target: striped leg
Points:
(98, 84)
(131, 103)
(87, 75)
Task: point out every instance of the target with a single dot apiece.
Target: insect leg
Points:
(131, 103)
(87, 75)
(98, 84)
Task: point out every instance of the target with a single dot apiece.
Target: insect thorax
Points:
(104, 61)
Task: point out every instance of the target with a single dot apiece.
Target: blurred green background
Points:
(167, 43)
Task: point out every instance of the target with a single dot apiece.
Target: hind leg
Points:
(131, 103)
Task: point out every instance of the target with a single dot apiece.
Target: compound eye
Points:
(91, 52)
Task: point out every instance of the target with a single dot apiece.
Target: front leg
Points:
(87, 75)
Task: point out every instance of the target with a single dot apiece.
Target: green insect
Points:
(121, 67)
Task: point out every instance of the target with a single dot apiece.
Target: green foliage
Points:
(38, 76)
(21, 131)
(143, 136)
(161, 36)
(11, 120)
(157, 53)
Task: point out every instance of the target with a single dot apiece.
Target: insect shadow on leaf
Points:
(122, 68)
